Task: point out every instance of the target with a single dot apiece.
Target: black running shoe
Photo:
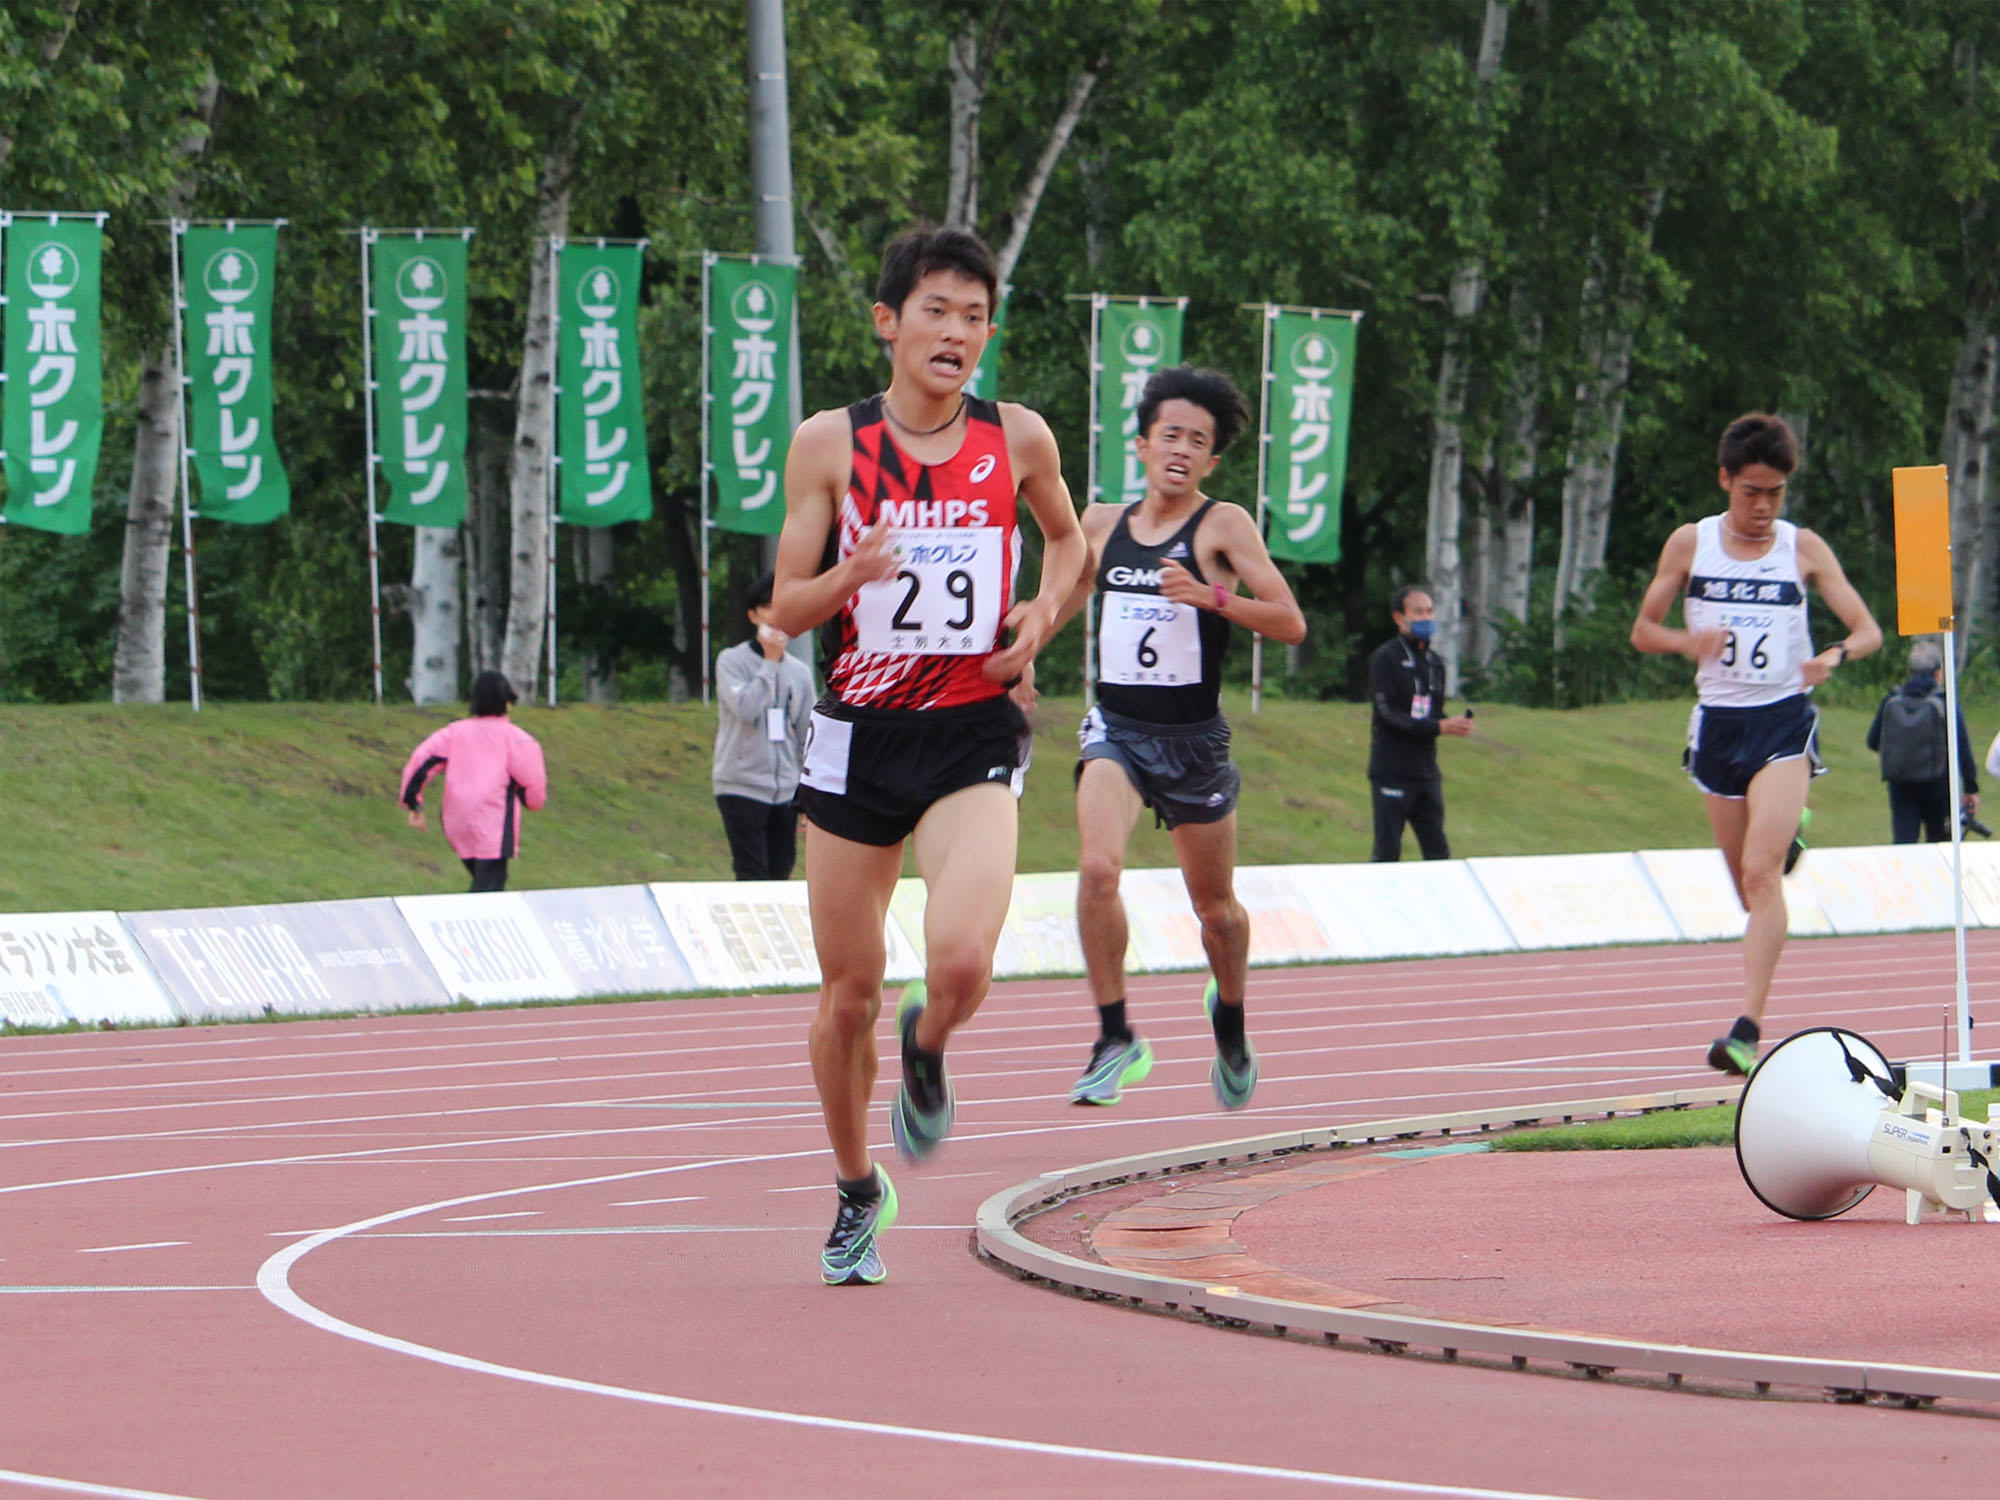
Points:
(850, 1257)
(922, 1111)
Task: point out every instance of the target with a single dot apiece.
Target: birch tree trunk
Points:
(1030, 197)
(1468, 290)
(967, 89)
(1967, 455)
(138, 660)
(1609, 323)
(435, 611)
(534, 438)
(488, 433)
(1513, 493)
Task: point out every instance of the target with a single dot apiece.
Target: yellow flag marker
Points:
(1923, 550)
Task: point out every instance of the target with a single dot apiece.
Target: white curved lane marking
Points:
(274, 1281)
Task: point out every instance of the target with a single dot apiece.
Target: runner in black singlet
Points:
(1166, 569)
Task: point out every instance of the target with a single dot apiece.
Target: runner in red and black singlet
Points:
(937, 621)
(902, 539)
(1167, 568)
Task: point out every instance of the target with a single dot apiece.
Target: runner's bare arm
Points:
(1037, 466)
(816, 473)
(1820, 568)
(1097, 522)
(1230, 549)
(1650, 632)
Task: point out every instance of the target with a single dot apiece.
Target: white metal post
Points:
(368, 388)
(1091, 490)
(707, 400)
(176, 228)
(555, 427)
(1270, 316)
(1957, 843)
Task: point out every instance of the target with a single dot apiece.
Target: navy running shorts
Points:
(869, 774)
(1181, 771)
(1727, 747)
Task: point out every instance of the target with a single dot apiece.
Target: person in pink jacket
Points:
(492, 768)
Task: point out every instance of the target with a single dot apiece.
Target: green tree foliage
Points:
(1818, 250)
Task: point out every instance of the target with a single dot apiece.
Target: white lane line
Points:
(149, 1245)
(649, 1202)
(274, 1281)
(41, 1291)
(613, 1229)
(83, 1487)
(525, 1213)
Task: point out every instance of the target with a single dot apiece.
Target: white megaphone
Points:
(1821, 1122)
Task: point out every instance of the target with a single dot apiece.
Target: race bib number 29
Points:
(944, 599)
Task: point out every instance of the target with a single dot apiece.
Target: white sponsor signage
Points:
(1882, 888)
(1400, 910)
(612, 940)
(57, 967)
(1575, 900)
(1702, 899)
(487, 948)
(756, 934)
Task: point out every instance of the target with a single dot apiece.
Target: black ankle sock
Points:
(1228, 1022)
(863, 1190)
(1745, 1030)
(1111, 1022)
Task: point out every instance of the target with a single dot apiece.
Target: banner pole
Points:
(1957, 841)
(175, 229)
(707, 401)
(1090, 490)
(1270, 317)
(368, 385)
(555, 431)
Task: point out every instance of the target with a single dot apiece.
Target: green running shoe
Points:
(1113, 1064)
(1731, 1054)
(1233, 1078)
(850, 1257)
(921, 1114)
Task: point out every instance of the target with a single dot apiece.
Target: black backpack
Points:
(1913, 743)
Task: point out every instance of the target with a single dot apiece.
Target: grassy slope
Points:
(148, 807)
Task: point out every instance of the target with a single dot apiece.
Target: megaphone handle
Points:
(1992, 1181)
(1862, 1073)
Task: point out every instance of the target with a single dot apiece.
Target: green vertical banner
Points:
(750, 380)
(53, 417)
(601, 426)
(417, 291)
(1135, 339)
(985, 382)
(1305, 451)
(228, 276)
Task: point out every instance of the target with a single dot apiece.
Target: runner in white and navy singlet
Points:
(1741, 578)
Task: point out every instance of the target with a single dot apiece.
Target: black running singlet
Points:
(1157, 661)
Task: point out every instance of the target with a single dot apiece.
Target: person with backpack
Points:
(1908, 733)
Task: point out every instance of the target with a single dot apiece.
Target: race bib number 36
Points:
(1148, 641)
(944, 599)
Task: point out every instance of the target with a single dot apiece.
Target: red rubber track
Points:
(588, 1260)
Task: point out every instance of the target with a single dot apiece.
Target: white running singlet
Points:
(1761, 605)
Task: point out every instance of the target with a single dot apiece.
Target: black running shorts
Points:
(870, 774)
(1182, 771)
(1727, 747)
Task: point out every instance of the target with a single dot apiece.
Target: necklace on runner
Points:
(890, 412)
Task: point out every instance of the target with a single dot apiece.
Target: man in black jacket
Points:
(1406, 686)
(1917, 776)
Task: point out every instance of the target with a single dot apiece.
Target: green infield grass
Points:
(1666, 1128)
(140, 808)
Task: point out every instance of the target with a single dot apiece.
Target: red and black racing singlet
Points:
(919, 639)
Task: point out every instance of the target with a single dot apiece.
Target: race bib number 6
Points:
(944, 599)
(1148, 640)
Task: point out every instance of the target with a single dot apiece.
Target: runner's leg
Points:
(848, 886)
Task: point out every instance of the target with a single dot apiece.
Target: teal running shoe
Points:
(1114, 1062)
(923, 1110)
(1234, 1077)
(851, 1257)
(1731, 1054)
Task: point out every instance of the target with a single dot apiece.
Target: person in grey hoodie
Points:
(765, 700)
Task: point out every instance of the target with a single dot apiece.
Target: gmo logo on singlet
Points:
(1138, 578)
(981, 469)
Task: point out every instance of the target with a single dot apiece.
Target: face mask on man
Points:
(1423, 630)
